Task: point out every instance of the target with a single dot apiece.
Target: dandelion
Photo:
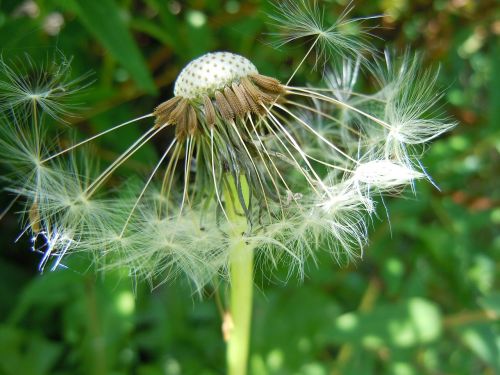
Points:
(257, 169)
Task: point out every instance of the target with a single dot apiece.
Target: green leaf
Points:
(170, 24)
(491, 302)
(415, 322)
(25, 353)
(102, 19)
(45, 293)
(156, 31)
(483, 341)
(495, 90)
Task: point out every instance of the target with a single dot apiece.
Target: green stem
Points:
(241, 278)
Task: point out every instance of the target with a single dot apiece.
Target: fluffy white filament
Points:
(384, 174)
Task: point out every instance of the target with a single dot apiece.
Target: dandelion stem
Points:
(311, 94)
(241, 277)
(302, 61)
(96, 136)
(37, 130)
(9, 206)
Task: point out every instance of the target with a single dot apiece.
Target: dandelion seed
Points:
(27, 88)
(304, 19)
(410, 106)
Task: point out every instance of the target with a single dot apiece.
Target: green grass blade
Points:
(102, 19)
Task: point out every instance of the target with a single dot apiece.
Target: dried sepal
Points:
(267, 83)
(225, 109)
(241, 97)
(34, 218)
(209, 111)
(234, 102)
(258, 96)
(164, 110)
(192, 121)
(179, 111)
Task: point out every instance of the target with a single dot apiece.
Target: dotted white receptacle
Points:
(211, 72)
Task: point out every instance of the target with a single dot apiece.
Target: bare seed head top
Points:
(211, 72)
(218, 86)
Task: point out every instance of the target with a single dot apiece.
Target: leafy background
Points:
(424, 300)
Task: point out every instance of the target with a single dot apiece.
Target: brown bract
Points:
(227, 104)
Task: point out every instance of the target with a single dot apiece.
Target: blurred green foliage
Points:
(425, 298)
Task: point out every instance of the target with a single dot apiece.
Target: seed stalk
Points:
(241, 278)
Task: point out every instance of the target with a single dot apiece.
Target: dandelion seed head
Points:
(216, 87)
(286, 169)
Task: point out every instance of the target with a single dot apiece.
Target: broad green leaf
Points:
(102, 19)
